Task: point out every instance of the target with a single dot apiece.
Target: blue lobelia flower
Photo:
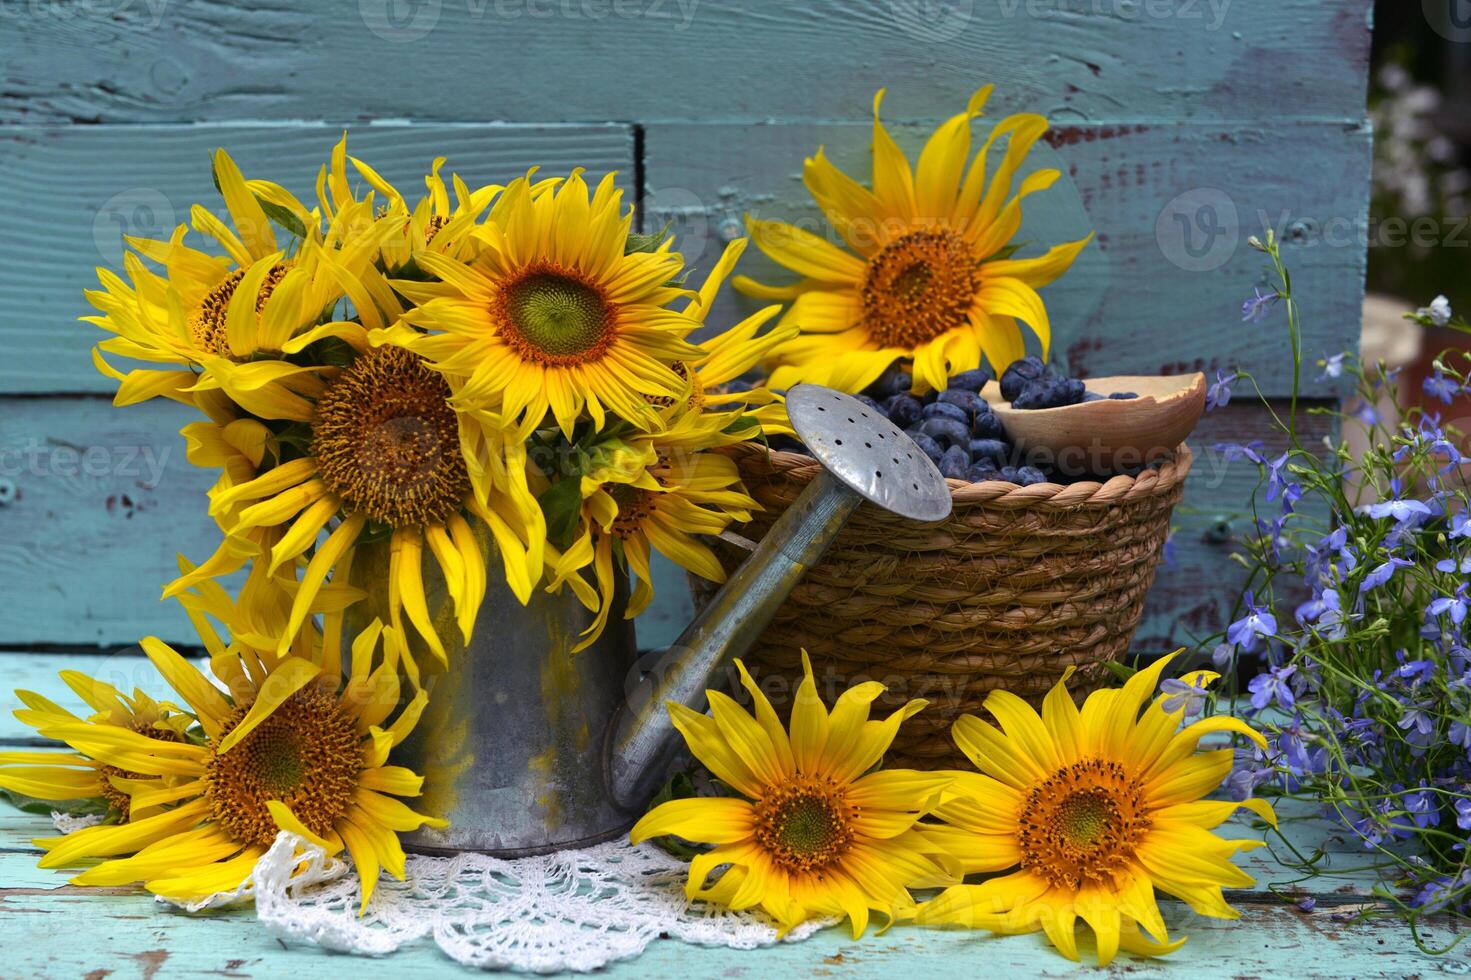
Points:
(1399, 507)
(1332, 366)
(1380, 574)
(1442, 387)
(1191, 697)
(1273, 686)
(1463, 814)
(1455, 605)
(1257, 622)
(1254, 310)
(1461, 525)
(1218, 395)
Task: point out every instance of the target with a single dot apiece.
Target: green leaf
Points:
(284, 217)
(1122, 671)
(742, 424)
(646, 243)
(561, 504)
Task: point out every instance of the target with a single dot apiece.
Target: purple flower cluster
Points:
(1365, 684)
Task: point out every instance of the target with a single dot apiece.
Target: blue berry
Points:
(1072, 390)
(987, 425)
(1028, 475)
(1122, 395)
(893, 381)
(968, 401)
(981, 472)
(1015, 377)
(1010, 474)
(973, 380)
(945, 410)
(928, 445)
(955, 463)
(990, 450)
(951, 432)
(864, 399)
(1037, 394)
(1093, 396)
(904, 410)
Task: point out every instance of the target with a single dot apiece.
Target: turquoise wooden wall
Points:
(1183, 126)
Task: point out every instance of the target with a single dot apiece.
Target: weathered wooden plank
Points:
(1173, 206)
(656, 60)
(130, 935)
(105, 499)
(101, 501)
(75, 190)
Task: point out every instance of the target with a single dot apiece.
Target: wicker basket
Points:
(1018, 584)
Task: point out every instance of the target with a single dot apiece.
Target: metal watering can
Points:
(528, 748)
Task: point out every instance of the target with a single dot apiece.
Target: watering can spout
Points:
(865, 457)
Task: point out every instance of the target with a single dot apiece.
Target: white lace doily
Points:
(572, 910)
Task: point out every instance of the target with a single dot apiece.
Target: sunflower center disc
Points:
(207, 324)
(918, 287)
(387, 441)
(306, 754)
(803, 827)
(555, 318)
(1083, 823)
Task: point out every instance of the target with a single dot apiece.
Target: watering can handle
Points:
(642, 738)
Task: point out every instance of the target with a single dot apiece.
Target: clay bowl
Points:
(1108, 436)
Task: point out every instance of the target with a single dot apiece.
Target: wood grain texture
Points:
(660, 60)
(1173, 206)
(105, 499)
(75, 190)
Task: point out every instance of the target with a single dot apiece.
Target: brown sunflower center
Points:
(554, 316)
(207, 324)
(121, 802)
(696, 399)
(387, 441)
(1083, 824)
(918, 287)
(806, 825)
(434, 226)
(306, 754)
(635, 506)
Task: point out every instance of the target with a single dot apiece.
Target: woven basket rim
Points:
(999, 493)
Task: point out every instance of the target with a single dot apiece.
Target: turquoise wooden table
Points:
(1182, 126)
(55, 930)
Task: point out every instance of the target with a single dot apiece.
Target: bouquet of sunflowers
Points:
(513, 372)
(504, 371)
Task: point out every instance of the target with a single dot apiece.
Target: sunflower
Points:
(383, 460)
(226, 321)
(295, 746)
(70, 777)
(1093, 809)
(554, 315)
(812, 834)
(434, 224)
(647, 494)
(930, 276)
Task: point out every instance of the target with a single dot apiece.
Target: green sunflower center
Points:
(919, 287)
(387, 441)
(805, 826)
(307, 754)
(1082, 824)
(555, 317)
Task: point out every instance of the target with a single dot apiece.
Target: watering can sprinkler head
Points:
(864, 457)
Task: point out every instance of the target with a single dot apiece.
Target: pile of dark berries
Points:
(1028, 383)
(956, 427)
